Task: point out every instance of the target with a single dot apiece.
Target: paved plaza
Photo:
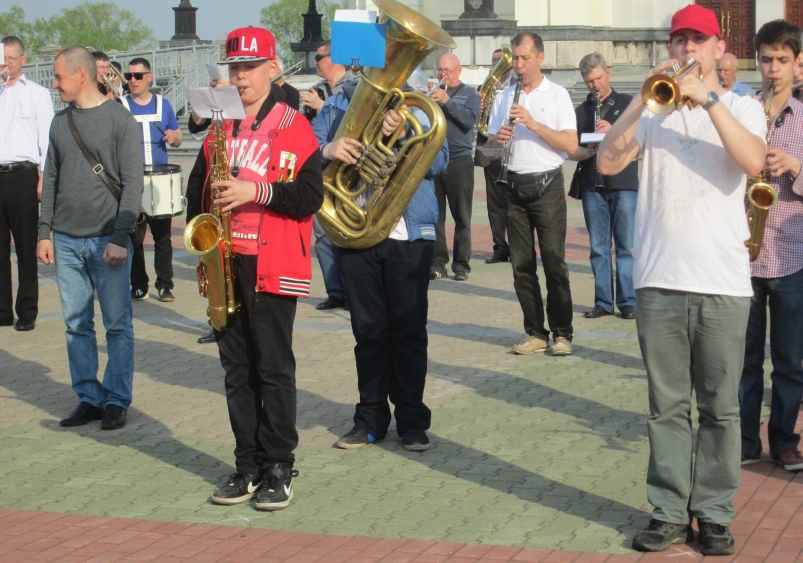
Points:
(533, 459)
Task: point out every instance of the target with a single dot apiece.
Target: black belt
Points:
(544, 177)
(16, 166)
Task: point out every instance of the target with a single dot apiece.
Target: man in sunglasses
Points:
(159, 129)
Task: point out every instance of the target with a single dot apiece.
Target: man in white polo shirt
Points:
(545, 130)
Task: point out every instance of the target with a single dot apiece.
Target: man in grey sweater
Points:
(461, 108)
(87, 232)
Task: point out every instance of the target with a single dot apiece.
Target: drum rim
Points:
(172, 169)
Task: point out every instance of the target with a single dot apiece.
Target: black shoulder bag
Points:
(574, 188)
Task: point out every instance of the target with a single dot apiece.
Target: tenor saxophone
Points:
(761, 196)
(208, 236)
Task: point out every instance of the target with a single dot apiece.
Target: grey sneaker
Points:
(715, 539)
(165, 295)
(562, 347)
(530, 345)
(660, 535)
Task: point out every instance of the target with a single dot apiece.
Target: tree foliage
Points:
(283, 18)
(101, 26)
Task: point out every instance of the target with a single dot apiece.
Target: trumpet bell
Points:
(661, 94)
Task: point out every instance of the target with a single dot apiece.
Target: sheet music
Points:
(225, 98)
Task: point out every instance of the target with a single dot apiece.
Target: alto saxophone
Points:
(208, 236)
(761, 196)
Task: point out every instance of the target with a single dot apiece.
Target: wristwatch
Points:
(713, 99)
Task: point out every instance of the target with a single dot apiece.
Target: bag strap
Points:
(97, 167)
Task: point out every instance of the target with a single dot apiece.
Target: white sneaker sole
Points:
(791, 467)
(417, 447)
(345, 446)
(750, 461)
(561, 352)
(274, 505)
(231, 501)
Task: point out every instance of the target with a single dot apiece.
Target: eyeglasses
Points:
(137, 75)
(12, 60)
(319, 58)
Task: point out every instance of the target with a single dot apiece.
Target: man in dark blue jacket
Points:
(386, 287)
(461, 108)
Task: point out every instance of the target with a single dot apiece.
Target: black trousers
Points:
(257, 355)
(547, 217)
(497, 215)
(386, 287)
(162, 253)
(19, 215)
(455, 185)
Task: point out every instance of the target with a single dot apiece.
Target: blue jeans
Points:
(329, 260)
(80, 271)
(611, 214)
(785, 297)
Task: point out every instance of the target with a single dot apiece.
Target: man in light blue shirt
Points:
(727, 69)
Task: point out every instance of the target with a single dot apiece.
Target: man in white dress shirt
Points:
(545, 130)
(25, 114)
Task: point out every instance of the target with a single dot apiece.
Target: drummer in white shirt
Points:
(159, 129)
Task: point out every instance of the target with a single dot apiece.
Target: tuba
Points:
(492, 85)
(661, 92)
(761, 196)
(208, 236)
(363, 202)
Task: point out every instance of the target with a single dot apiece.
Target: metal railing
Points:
(173, 68)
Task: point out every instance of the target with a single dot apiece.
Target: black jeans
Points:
(497, 215)
(547, 217)
(19, 214)
(162, 253)
(455, 184)
(386, 286)
(257, 354)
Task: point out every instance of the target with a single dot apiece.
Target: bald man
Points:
(461, 107)
(727, 69)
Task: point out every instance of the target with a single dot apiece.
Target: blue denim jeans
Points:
(785, 297)
(611, 215)
(329, 260)
(81, 271)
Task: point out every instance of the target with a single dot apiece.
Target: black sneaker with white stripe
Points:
(239, 488)
(277, 489)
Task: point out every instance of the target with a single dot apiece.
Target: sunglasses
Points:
(319, 58)
(137, 75)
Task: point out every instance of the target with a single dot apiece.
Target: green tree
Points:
(283, 18)
(13, 22)
(101, 26)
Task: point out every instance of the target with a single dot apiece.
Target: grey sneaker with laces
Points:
(660, 535)
(715, 539)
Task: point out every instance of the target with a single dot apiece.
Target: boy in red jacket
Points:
(274, 189)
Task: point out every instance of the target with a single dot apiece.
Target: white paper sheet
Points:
(218, 72)
(225, 98)
(591, 137)
(358, 16)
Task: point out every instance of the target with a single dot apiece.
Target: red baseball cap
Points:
(249, 44)
(697, 18)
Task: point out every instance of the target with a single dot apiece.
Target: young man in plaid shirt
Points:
(777, 274)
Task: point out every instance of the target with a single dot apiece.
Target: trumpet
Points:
(661, 92)
(502, 179)
(288, 73)
(438, 85)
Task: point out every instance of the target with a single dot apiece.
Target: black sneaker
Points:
(715, 539)
(415, 440)
(165, 295)
(355, 439)
(277, 488)
(461, 276)
(238, 488)
(661, 535)
(139, 295)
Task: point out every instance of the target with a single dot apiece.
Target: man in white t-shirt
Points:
(545, 130)
(692, 280)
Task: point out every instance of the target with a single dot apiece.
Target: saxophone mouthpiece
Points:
(240, 90)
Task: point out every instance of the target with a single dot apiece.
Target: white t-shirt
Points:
(690, 223)
(550, 105)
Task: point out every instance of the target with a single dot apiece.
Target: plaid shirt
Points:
(782, 249)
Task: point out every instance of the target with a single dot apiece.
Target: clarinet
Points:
(502, 179)
(599, 182)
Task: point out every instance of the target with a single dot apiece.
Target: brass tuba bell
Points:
(661, 92)
(363, 202)
(492, 85)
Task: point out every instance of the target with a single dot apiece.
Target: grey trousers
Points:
(692, 342)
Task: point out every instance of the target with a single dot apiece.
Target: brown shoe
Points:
(790, 459)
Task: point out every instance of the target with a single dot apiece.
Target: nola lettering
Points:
(240, 43)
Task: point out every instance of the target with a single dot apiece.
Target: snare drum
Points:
(162, 196)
